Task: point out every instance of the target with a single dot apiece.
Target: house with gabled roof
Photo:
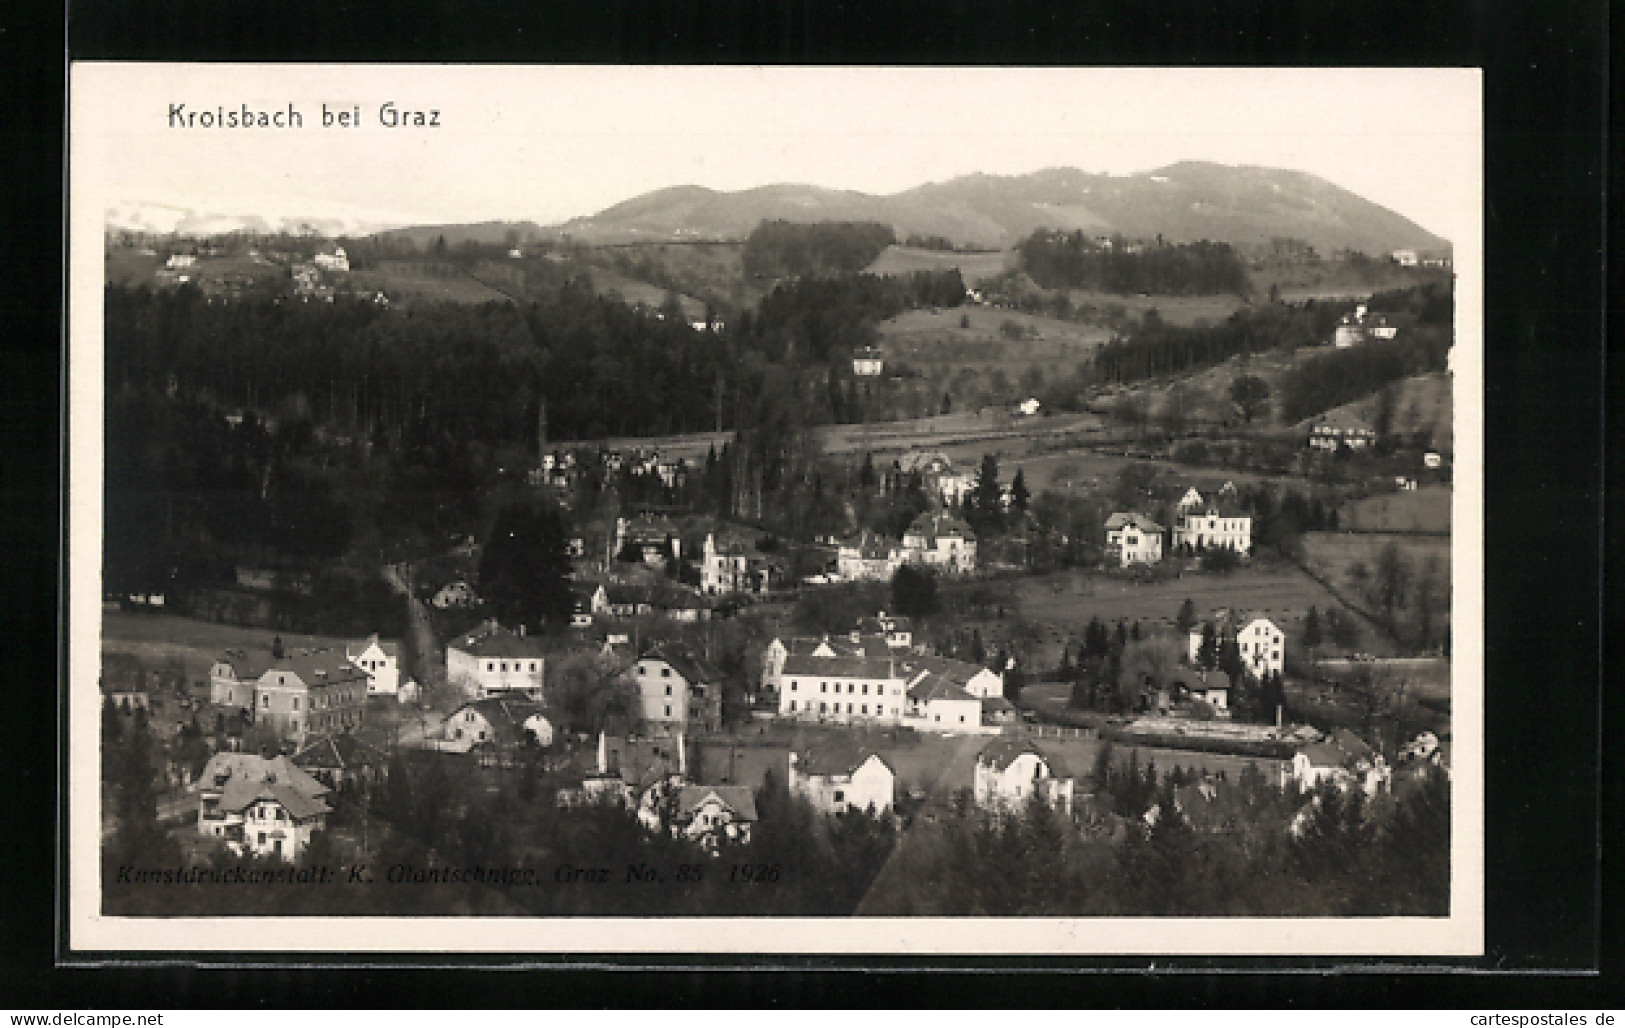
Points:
(940, 541)
(496, 727)
(1011, 770)
(341, 760)
(493, 661)
(1342, 758)
(837, 775)
(677, 687)
(232, 677)
(265, 805)
(309, 692)
(1213, 524)
(936, 703)
(1133, 538)
(380, 659)
(712, 814)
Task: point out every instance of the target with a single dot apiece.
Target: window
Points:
(296, 724)
(961, 719)
(668, 690)
(792, 704)
(262, 838)
(849, 708)
(792, 685)
(821, 708)
(265, 701)
(504, 666)
(865, 688)
(296, 703)
(533, 665)
(668, 710)
(665, 672)
(823, 686)
(840, 797)
(490, 665)
(643, 669)
(866, 708)
(851, 687)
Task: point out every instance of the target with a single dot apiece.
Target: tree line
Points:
(1060, 260)
(786, 249)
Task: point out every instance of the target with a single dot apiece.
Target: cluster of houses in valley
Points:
(934, 540)
(1364, 324)
(1200, 524)
(305, 693)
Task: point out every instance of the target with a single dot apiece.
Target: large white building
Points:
(1263, 646)
(1134, 538)
(493, 661)
(1206, 524)
(842, 689)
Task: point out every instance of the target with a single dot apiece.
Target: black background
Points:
(1548, 813)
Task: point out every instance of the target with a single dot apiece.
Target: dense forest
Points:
(1061, 260)
(787, 249)
(1159, 348)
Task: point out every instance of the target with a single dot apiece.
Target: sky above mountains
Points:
(549, 144)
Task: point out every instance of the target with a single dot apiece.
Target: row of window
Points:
(824, 708)
(518, 665)
(851, 687)
(323, 700)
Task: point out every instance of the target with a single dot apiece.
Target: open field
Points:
(1175, 310)
(973, 267)
(1332, 554)
(610, 283)
(161, 637)
(417, 280)
(1063, 603)
(1425, 510)
(966, 332)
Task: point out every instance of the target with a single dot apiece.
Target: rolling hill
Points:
(1182, 202)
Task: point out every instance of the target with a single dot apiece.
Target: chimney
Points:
(521, 629)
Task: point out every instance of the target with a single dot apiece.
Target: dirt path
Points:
(428, 660)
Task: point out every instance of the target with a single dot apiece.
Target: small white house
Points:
(1010, 771)
(1135, 538)
(837, 777)
(380, 660)
(1263, 646)
(868, 362)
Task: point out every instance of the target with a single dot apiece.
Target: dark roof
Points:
(338, 752)
(1140, 521)
(684, 661)
(249, 777)
(840, 667)
(737, 798)
(318, 666)
(504, 714)
(499, 643)
(959, 672)
(932, 525)
(933, 686)
(1195, 679)
(991, 704)
(1006, 748)
(834, 754)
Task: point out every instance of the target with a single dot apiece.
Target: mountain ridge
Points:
(1244, 205)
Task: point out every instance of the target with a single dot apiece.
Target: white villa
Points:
(1135, 538)
(1010, 771)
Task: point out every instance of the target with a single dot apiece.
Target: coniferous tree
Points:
(1186, 619)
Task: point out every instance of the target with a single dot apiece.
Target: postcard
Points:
(569, 510)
